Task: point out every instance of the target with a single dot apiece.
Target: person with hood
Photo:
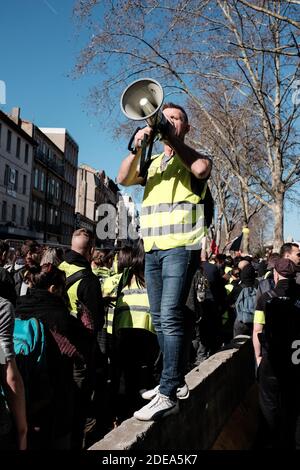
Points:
(243, 299)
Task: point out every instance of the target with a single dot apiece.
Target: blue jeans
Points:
(166, 273)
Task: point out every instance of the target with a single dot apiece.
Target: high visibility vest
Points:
(172, 214)
(229, 288)
(102, 273)
(110, 289)
(70, 269)
(132, 309)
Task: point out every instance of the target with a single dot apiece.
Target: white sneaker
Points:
(161, 405)
(182, 393)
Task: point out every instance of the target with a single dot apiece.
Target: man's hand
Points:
(140, 135)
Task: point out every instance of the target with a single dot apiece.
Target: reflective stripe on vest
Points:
(132, 309)
(109, 289)
(172, 215)
(70, 269)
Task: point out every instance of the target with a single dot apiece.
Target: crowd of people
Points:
(103, 357)
(121, 328)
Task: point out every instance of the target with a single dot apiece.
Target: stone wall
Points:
(222, 399)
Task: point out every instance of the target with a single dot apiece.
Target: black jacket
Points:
(7, 286)
(89, 289)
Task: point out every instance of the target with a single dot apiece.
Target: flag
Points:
(236, 243)
(214, 249)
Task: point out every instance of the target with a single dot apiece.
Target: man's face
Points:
(294, 255)
(177, 118)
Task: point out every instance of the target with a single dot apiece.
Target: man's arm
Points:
(257, 328)
(129, 170)
(198, 164)
(15, 395)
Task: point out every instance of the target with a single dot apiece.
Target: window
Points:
(16, 180)
(13, 212)
(34, 210)
(18, 148)
(51, 216)
(24, 183)
(36, 179)
(22, 215)
(6, 175)
(26, 153)
(40, 216)
(42, 181)
(8, 142)
(57, 190)
(51, 187)
(4, 211)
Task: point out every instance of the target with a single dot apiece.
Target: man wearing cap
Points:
(276, 331)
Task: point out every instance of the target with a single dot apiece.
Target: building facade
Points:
(16, 160)
(94, 191)
(68, 146)
(45, 213)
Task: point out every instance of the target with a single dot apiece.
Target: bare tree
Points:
(192, 47)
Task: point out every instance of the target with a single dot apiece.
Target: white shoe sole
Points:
(159, 414)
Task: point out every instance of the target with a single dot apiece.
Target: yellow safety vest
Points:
(102, 273)
(109, 289)
(70, 269)
(132, 309)
(229, 288)
(171, 215)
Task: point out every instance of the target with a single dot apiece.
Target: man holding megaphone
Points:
(172, 227)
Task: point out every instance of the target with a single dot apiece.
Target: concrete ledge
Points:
(217, 387)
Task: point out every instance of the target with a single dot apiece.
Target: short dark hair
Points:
(176, 106)
(287, 248)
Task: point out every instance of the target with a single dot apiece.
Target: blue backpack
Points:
(30, 350)
(29, 339)
(245, 305)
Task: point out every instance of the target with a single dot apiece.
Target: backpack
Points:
(30, 350)
(245, 305)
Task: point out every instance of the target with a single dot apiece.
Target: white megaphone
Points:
(142, 100)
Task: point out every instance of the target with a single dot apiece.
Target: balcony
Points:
(41, 227)
(57, 167)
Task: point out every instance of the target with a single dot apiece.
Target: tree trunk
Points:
(278, 221)
(245, 240)
(219, 230)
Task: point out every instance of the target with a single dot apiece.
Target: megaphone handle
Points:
(143, 153)
(130, 148)
(145, 162)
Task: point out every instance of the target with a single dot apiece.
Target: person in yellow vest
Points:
(172, 227)
(84, 291)
(135, 340)
(101, 264)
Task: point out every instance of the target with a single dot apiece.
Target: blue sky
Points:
(39, 44)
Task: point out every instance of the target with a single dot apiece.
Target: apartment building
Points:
(16, 159)
(65, 142)
(93, 189)
(45, 213)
